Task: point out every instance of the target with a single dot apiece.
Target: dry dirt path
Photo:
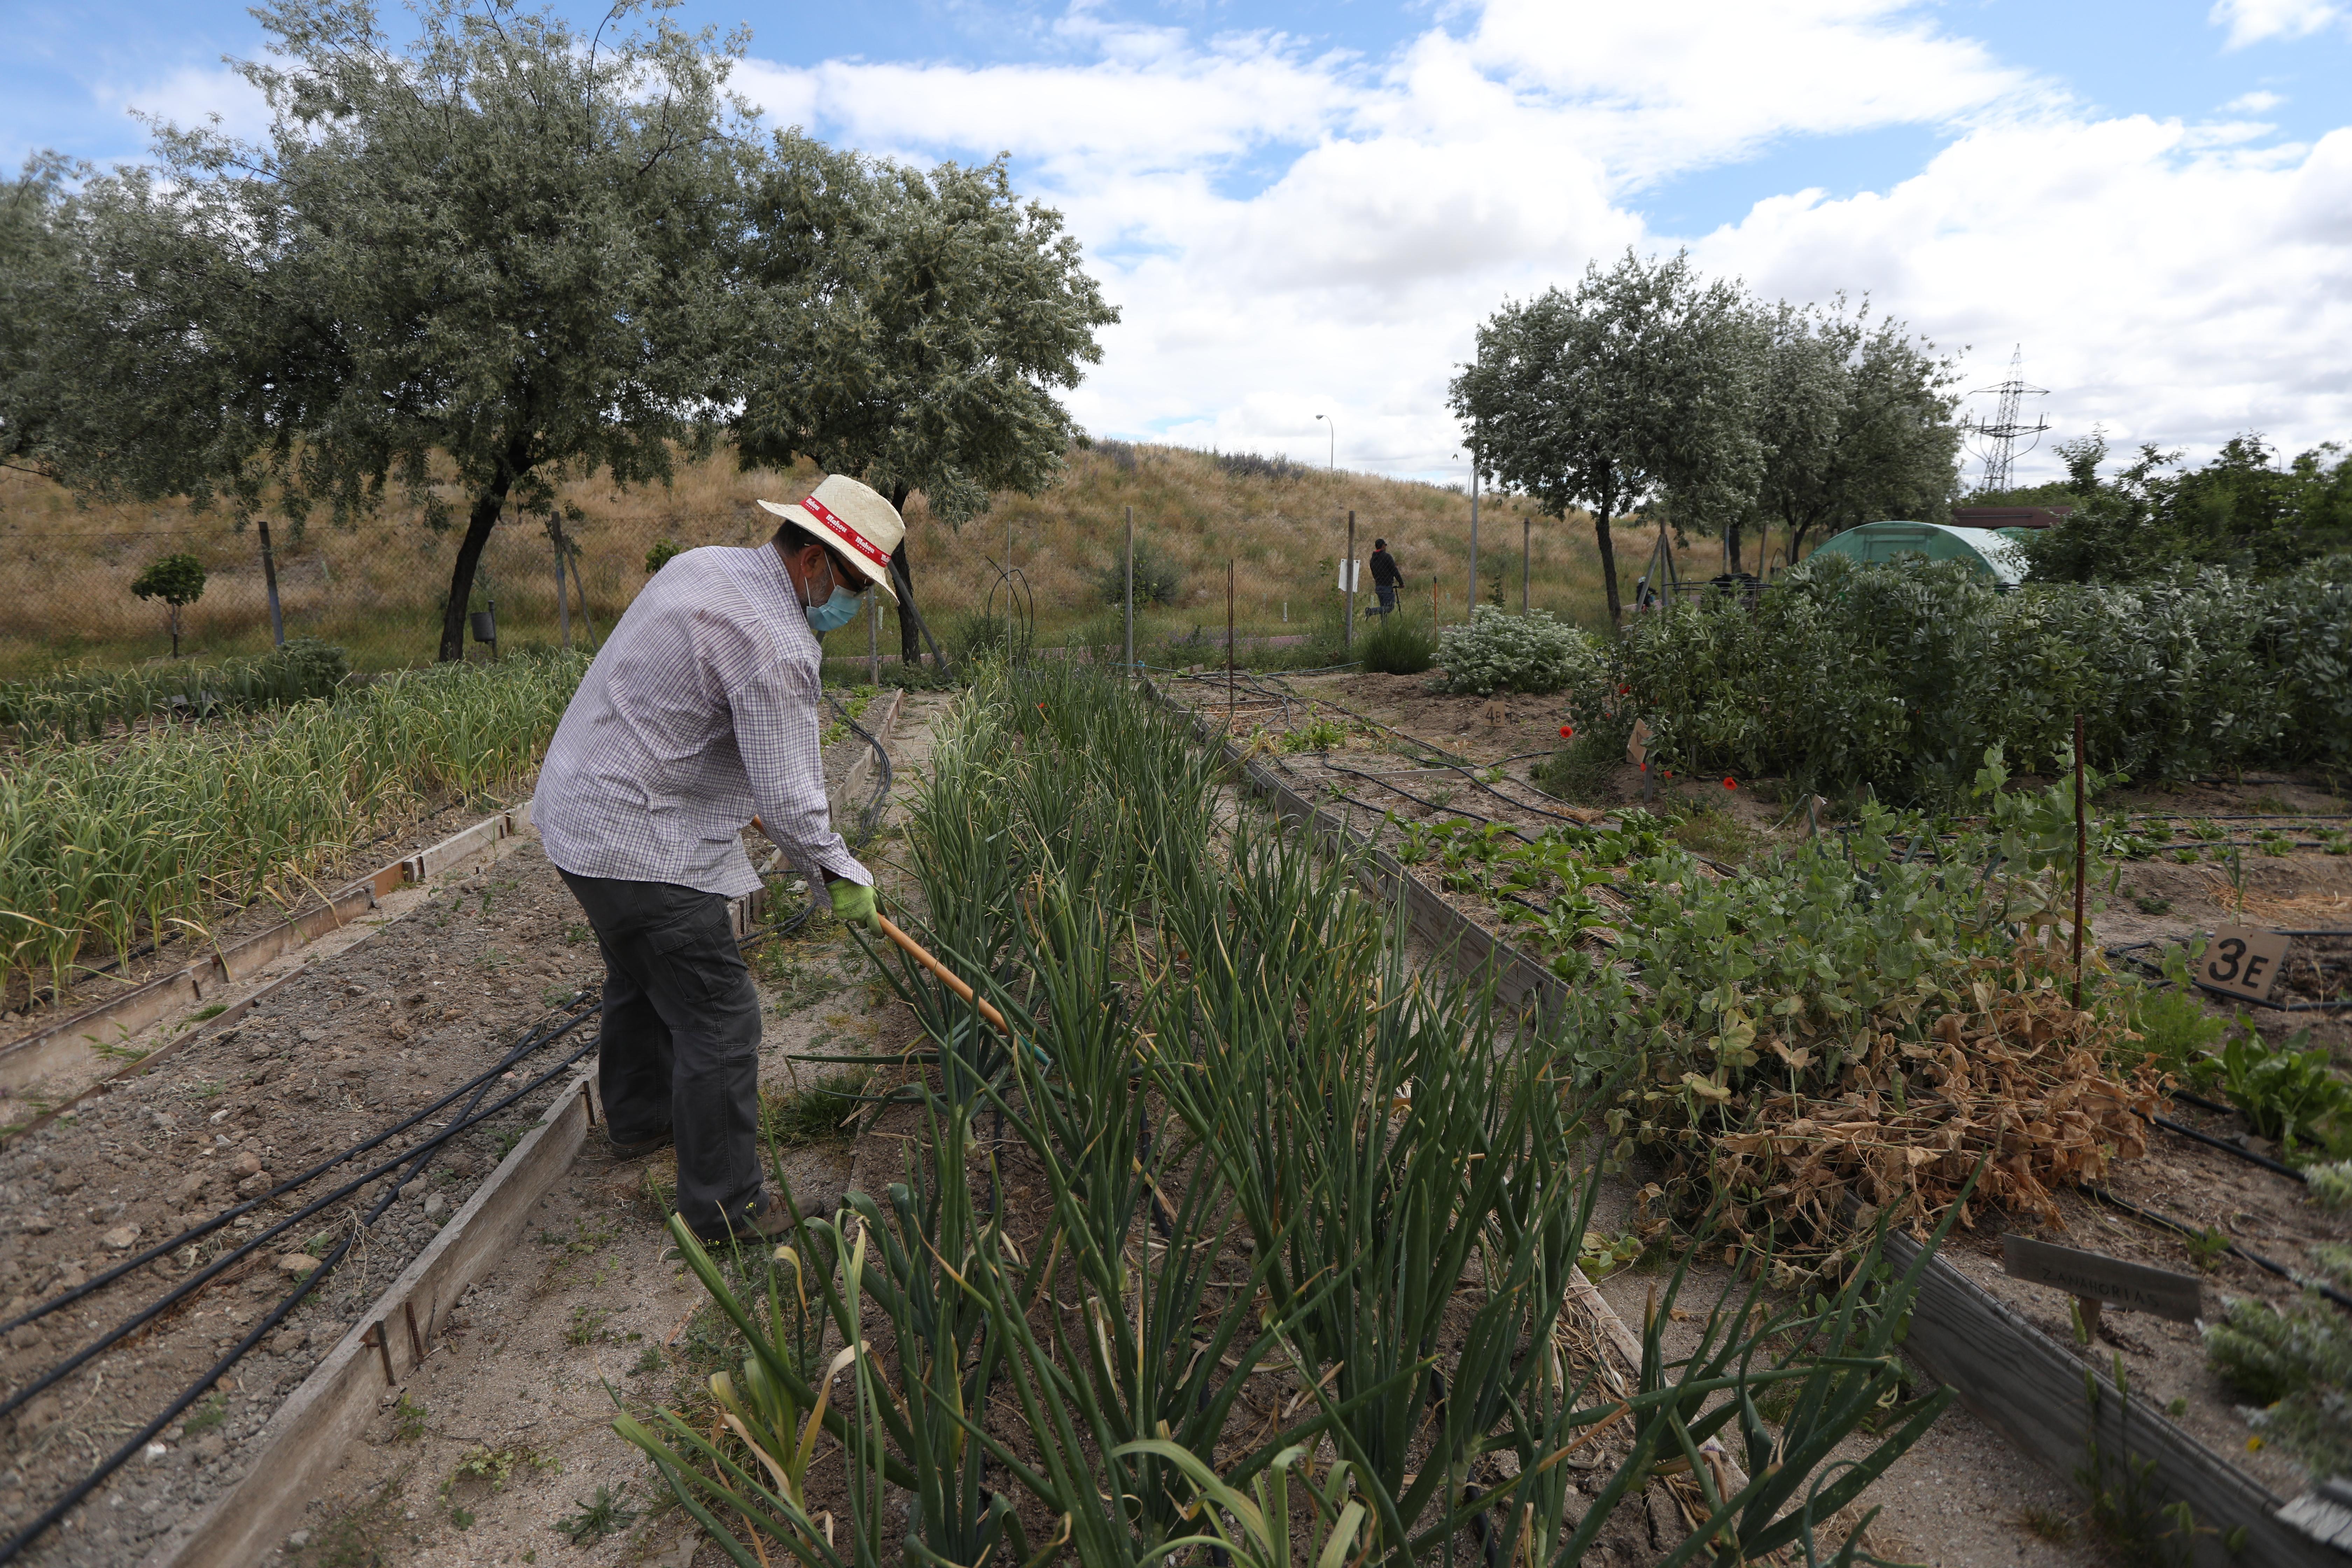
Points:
(499, 1448)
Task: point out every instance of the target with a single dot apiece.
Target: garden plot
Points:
(2195, 1188)
(330, 1057)
(500, 1448)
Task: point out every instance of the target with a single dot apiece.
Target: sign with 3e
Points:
(2241, 962)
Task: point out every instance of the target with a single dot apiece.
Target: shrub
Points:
(663, 552)
(1157, 579)
(178, 581)
(1496, 652)
(2299, 1366)
(1397, 645)
(1902, 676)
(1580, 771)
(2331, 1185)
(1253, 465)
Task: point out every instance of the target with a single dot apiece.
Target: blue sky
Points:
(1307, 208)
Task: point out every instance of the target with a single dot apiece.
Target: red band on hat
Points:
(855, 540)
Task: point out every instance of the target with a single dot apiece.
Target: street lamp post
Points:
(1331, 463)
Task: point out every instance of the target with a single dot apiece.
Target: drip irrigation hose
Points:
(15, 1544)
(529, 1042)
(2264, 1161)
(871, 816)
(196, 1282)
(2166, 1222)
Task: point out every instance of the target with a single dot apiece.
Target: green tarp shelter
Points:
(1987, 550)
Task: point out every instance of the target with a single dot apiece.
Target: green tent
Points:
(1986, 550)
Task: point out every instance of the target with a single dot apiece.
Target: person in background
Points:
(1386, 578)
(701, 709)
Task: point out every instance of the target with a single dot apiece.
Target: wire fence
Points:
(68, 597)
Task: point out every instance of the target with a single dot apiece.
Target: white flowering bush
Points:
(1498, 652)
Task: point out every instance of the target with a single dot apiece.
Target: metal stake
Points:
(1527, 557)
(562, 600)
(1130, 591)
(1229, 645)
(1471, 613)
(874, 639)
(2082, 856)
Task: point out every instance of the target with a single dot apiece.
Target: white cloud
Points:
(193, 96)
(2253, 103)
(1292, 232)
(2256, 21)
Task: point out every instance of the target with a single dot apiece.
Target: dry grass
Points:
(377, 588)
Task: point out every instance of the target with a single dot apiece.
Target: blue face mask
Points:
(838, 611)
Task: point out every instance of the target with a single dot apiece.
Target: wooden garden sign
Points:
(2242, 962)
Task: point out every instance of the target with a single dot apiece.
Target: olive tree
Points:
(912, 327)
(178, 581)
(464, 267)
(1854, 420)
(1641, 382)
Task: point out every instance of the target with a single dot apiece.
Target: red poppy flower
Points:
(1729, 785)
(1625, 691)
(1670, 773)
(1565, 731)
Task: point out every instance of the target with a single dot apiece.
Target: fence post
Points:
(1526, 558)
(1471, 612)
(1347, 574)
(270, 583)
(1131, 593)
(563, 599)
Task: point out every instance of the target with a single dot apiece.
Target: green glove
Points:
(854, 903)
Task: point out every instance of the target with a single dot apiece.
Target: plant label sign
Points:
(1347, 574)
(2241, 962)
(1637, 749)
(2095, 1277)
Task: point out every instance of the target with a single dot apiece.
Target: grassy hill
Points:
(377, 588)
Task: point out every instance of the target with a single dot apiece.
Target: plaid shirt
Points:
(700, 710)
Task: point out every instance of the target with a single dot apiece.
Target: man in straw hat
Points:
(701, 710)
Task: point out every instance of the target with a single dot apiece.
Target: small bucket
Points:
(486, 624)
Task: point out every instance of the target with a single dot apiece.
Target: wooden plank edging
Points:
(69, 1041)
(304, 1442)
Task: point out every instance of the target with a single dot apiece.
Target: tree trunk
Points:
(1608, 563)
(478, 523)
(911, 641)
(1731, 544)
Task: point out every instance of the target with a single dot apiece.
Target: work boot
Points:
(770, 1218)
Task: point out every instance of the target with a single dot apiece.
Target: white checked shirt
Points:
(700, 710)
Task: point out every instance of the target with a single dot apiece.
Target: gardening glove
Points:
(853, 903)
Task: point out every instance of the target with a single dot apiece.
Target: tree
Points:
(497, 256)
(2242, 511)
(912, 327)
(1641, 382)
(1855, 421)
(34, 265)
(178, 581)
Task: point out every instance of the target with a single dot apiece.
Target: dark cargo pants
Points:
(681, 1046)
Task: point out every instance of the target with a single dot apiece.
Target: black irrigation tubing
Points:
(529, 1042)
(2223, 1144)
(15, 1544)
(2166, 1222)
(871, 816)
(194, 1282)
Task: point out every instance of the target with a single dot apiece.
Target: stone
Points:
(246, 1165)
(69, 1275)
(253, 1186)
(312, 1036)
(296, 1264)
(120, 1237)
(156, 1453)
(41, 1412)
(211, 1446)
(37, 1224)
(298, 1539)
(436, 1205)
(190, 1187)
(65, 1182)
(23, 1337)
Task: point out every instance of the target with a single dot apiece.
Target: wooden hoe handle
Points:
(922, 955)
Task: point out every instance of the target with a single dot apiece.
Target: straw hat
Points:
(856, 523)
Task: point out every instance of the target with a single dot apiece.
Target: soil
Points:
(350, 1045)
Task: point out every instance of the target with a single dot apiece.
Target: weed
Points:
(407, 1420)
(1579, 771)
(648, 1360)
(206, 1416)
(1715, 834)
(2298, 1366)
(2049, 1524)
(2331, 1185)
(587, 1325)
(1314, 735)
(507, 1138)
(1603, 1256)
(556, 995)
(598, 1518)
(357, 1536)
(815, 1113)
(1399, 645)
(2175, 1030)
(2149, 904)
(215, 1010)
(575, 934)
(495, 1466)
(2205, 1249)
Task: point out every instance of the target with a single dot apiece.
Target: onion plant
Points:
(1325, 1291)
